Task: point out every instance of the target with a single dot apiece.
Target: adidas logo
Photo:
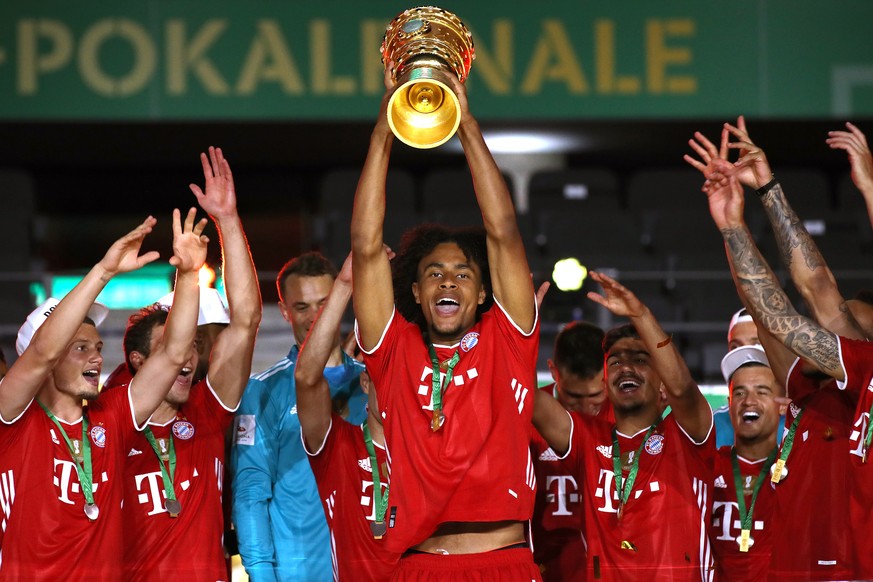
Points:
(549, 455)
(720, 483)
(134, 452)
(604, 450)
(365, 465)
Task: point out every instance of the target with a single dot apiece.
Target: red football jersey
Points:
(557, 525)
(663, 530)
(725, 528)
(481, 451)
(857, 359)
(190, 544)
(345, 482)
(45, 533)
(812, 505)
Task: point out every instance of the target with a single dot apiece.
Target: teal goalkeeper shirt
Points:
(277, 513)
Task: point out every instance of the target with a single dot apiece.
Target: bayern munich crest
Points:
(655, 444)
(98, 435)
(183, 429)
(469, 341)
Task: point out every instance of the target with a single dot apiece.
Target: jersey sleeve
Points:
(379, 359)
(254, 461)
(856, 357)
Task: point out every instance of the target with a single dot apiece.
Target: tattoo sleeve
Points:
(772, 308)
(790, 232)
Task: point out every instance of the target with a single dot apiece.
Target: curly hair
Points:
(417, 243)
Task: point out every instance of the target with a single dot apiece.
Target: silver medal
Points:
(379, 528)
(92, 511)
(174, 508)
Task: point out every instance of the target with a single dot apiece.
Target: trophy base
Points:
(424, 111)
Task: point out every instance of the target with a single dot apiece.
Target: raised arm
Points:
(757, 284)
(156, 376)
(552, 422)
(854, 143)
(800, 255)
(51, 340)
(313, 392)
(374, 300)
(690, 407)
(510, 274)
(230, 362)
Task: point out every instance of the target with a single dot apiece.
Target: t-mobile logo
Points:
(565, 492)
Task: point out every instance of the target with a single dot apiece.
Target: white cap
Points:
(739, 357)
(212, 308)
(741, 316)
(97, 313)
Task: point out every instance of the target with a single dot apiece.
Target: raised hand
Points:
(123, 256)
(219, 199)
(616, 297)
(725, 195)
(707, 151)
(854, 143)
(541, 293)
(753, 169)
(189, 242)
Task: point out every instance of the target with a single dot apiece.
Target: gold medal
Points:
(435, 422)
(745, 541)
(778, 471)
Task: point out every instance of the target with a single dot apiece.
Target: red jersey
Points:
(344, 476)
(725, 528)
(481, 452)
(557, 525)
(45, 532)
(857, 360)
(812, 506)
(190, 545)
(663, 530)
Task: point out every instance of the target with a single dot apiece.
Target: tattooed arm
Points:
(759, 287)
(800, 255)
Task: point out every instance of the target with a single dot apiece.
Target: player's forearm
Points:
(492, 194)
(800, 255)
(321, 340)
(771, 307)
(181, 326)
(666, 359)
(368, 214)
(240, 276)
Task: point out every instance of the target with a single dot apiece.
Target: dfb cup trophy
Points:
(427, 45)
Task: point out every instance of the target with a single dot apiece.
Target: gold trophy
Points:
(427, 45)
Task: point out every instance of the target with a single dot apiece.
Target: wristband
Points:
(767, 187)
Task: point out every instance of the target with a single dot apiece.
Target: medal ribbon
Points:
(787, 444)
(380, 500)
(869, 436)
(437, 386)
(169, 491)
(746, 516)
(85, 473)
(625, 488)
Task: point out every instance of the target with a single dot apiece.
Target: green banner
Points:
(546, 59)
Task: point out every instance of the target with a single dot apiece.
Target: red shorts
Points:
(510, 565)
